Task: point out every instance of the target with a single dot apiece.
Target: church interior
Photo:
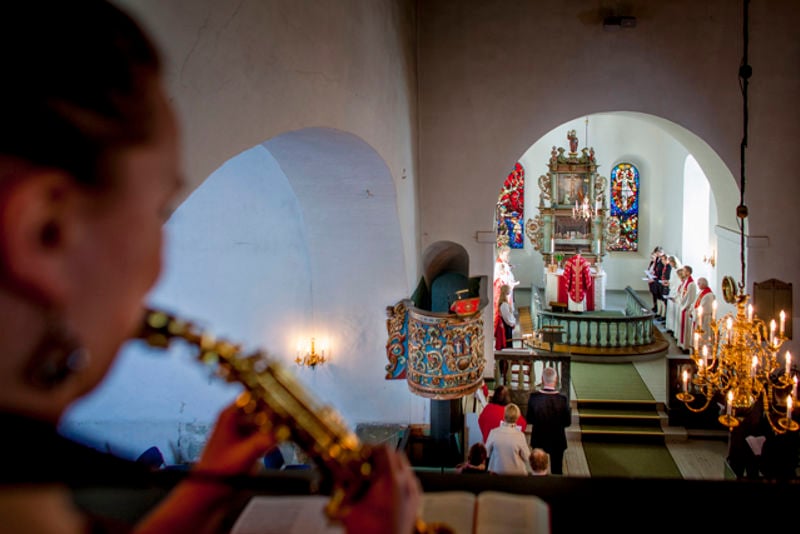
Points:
(329, 147)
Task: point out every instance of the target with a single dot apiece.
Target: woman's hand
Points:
(393, 500)
(234, 446)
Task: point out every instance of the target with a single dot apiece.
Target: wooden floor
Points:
(696, 458)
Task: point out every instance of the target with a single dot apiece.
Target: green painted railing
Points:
(633, 328)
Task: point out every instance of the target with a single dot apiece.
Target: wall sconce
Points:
(309, 357)
(710, 259)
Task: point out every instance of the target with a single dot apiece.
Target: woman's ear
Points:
(37, 209)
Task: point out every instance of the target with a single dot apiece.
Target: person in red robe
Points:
(576, 284)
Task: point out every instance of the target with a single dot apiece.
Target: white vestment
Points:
(685, 315)
(673, 304)
(706, 302)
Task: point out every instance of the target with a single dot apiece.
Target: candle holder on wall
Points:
(310, 357)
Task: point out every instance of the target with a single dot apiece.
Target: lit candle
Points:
(729, 403)
(696, 343)
(788, 362)
(714, 311)
(749, 313)
(783, 322)
(794, 388)
(705, 354)
(729, 326)
(772, 331)
(685, 380)
(753, 368)
(552, 244)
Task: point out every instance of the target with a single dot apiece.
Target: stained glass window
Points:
(624, 217)
(511, 209)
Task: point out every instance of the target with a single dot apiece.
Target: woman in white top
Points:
(507, 447)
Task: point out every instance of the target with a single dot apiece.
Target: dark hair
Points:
(76, 87)
(477, 453)
(500, 396)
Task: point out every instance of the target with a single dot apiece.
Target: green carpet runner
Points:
(620, 424)
(608, 381)
(630, 460)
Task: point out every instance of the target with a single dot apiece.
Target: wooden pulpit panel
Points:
(769, 298)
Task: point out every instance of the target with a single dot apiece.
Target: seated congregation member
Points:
(476, 460)
(507, 447)
(492, 414)
(89, 167)
(540, 462)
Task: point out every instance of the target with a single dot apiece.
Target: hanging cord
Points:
(745, 71)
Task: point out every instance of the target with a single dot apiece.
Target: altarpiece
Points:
(572, 221)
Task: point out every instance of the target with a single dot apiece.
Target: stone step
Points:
(620, 421)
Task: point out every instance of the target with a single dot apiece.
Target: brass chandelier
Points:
(737, 359)
(583, 210)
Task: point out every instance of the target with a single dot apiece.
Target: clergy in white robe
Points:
(675, 283)
(688, 296)
(702, 311)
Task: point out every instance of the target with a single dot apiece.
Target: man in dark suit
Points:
(549, 414)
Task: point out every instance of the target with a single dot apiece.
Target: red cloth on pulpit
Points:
(577, 282)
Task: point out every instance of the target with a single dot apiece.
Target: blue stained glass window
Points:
(511, 209)
(624, 216)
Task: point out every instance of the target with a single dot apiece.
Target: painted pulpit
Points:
(436, 343)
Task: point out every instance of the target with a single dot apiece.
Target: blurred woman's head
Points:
(89, 164)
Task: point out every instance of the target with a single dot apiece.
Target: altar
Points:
(595, 301)
(572, 228)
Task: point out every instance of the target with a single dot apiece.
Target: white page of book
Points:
(456, 509)
(508, 513)
(296, 514)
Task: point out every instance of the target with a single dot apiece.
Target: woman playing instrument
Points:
(89, 167)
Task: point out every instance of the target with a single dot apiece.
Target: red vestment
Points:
(702, 294)
(577, 282)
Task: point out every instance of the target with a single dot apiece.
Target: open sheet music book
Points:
(489, 512)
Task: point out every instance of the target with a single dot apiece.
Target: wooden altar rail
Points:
(635, 328)
(521, 368)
